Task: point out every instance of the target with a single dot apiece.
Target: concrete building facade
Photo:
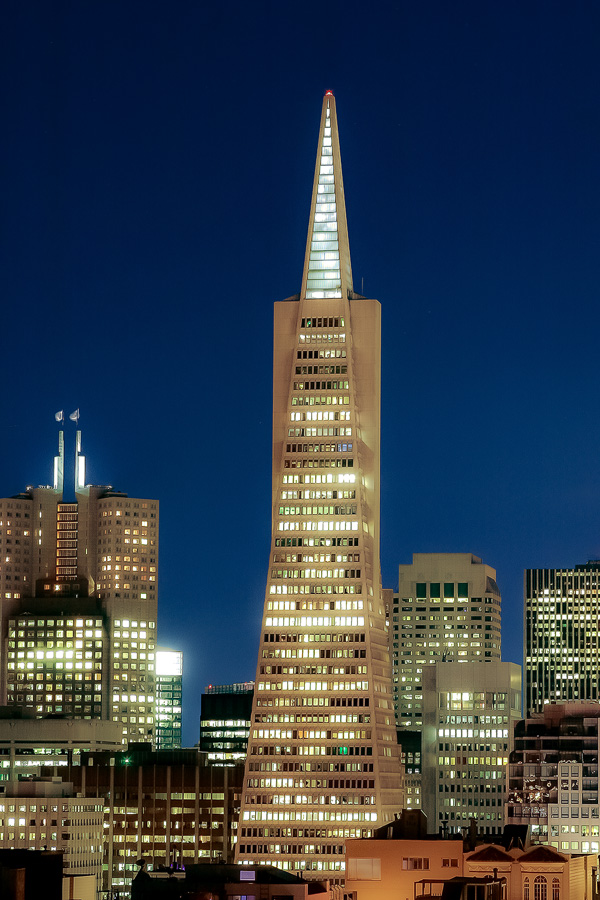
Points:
(44, 814)
(322, 761)
(28, 744)
(447, 609)
(470, 711)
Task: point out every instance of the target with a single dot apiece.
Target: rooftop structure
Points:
(27, 744)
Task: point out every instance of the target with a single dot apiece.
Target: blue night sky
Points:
(157, 162)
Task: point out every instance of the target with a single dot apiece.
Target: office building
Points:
(78, 601)
(45, 814)
(553, 776)
(225, 711)
(447, 608)
(168, 807)
(469, 714)
(28, 744)
(169, 694)
(562, 643)
(322, 760)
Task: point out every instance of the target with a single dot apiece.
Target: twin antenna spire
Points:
(59, 460)
(327, 268)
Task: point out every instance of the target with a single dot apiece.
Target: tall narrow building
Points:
(322, 762)
(562, 645)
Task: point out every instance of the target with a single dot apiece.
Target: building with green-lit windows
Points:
(561, 637)
(169, 696)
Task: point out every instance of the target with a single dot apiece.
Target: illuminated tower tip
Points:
(327, 268)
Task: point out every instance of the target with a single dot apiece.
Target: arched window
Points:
(526, 889)
(540, 888)
(555, 889)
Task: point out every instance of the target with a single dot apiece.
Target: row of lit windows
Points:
(307, 816)
(325, 431)
(321, 370)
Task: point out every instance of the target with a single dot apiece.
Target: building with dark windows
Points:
(78, 592)
(169, 697)
(553, 776)
(562, 643)
(168, 807)
(322, 762)
(225, 713)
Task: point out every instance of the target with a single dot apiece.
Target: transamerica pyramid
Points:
(323, 762)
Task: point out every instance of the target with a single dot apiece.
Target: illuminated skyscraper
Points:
(169, 694)
(562, 646)
(78, 601)
(322, 760)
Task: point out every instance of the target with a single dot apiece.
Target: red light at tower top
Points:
(329, 93)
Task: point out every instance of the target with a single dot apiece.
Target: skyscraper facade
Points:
(562, 643)
(78, 589)
(169, 698)
(322, 760)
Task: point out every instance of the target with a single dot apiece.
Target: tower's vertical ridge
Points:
(322, 761)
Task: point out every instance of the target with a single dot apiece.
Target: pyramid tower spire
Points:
(322, 763)
(327, 267)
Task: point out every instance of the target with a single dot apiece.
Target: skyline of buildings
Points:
(79, 608)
